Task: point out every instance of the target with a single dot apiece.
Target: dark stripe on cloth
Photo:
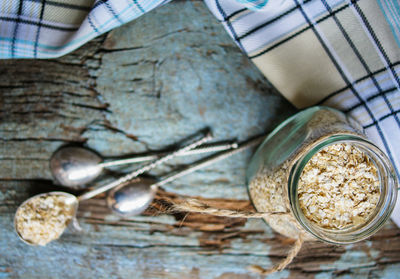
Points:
(346, 80)
(381, 70)
(382, 51)
(92, 24)
(39, 27)
(382, 118)
(139, 6)
(378, 43)
(222, 12)
(18, 20)
(235, 13)
(64, 5)
(372, 97)
(298, 32)
(271, 21)
(113, 13)
(361, 59)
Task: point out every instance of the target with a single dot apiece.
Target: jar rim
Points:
(384, 208)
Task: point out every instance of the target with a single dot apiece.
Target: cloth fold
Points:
(339, 53)
(52, 28)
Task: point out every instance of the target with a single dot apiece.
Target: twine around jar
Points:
(197, 206)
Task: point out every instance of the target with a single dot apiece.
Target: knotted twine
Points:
(197, 206)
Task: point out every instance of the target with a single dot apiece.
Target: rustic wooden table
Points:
(143, 87)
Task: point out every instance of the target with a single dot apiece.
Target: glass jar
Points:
(276, 168)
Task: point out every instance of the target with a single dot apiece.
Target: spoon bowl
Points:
(75, 166)
(132, 198)
(43, 218)
(47, 209)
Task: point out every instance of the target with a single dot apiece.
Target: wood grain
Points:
(140, 88)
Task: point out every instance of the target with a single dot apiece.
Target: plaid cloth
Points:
(339, 53)
(51, 28)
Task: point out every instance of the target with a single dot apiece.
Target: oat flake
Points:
(44, 218)
(339, 187)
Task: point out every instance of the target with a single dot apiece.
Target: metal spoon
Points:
(75, 166)
(135, 197)
(70, 200)
(73, 201)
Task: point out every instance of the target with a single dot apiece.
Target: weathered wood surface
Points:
(144, 87)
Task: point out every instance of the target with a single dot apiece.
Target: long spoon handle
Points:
(208, 161)
(146, 158)
(145, 168)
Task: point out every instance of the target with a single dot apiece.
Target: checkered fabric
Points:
(339, 53)
(51, 28)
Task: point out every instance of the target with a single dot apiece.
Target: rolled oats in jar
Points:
(320, 168)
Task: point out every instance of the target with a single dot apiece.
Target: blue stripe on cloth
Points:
(361, 59)
(278, 25)
(111, 10)
(377, 72)
(349, 83)
(139, 6)
(253, 4)
(272, 20)
(43, 2)
(20, 4)
(278, 41)
(233, 32)
(382, 118)
(391, 10)
(127, 14)
(92, 25)
(63, 5)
